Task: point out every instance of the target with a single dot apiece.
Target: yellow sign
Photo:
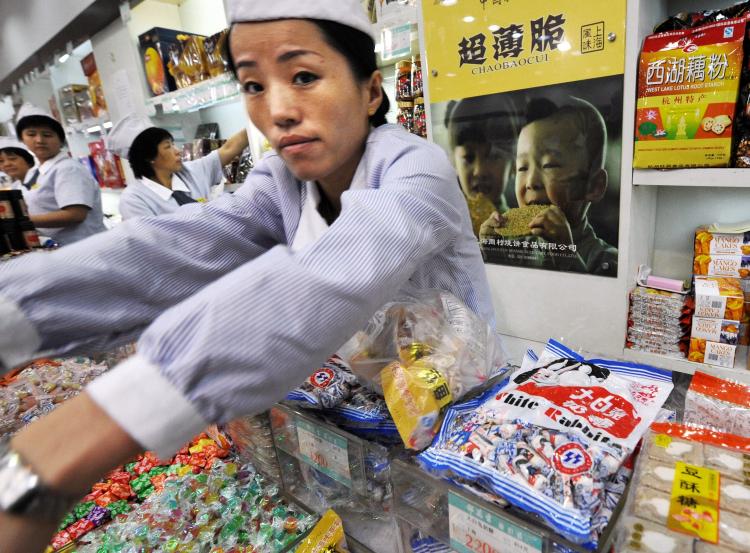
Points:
(694, 506)
(478, 47)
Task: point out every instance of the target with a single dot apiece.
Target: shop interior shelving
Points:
(91, 126)
(208, 93)
(713, 178)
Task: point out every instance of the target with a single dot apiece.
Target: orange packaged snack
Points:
(688, 84)
(737, 266)
(708, 242)
(711, 353)
(719, 298)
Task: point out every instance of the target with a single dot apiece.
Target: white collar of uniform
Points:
(162, 191)
(47, 165)
(359, 181)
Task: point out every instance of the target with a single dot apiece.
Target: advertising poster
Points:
(526, 98)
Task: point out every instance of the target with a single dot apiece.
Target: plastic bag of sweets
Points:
(551, 439)
(430, 322)
(688, 84)
(718, 403)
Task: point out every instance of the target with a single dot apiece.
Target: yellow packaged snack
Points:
(416, 395)
(688, 83)
(326, 537)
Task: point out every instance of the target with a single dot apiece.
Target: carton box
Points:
(708, 242)
(157, 46)
(711, 353)
(719, 298)
(715, 330)
(737, 266)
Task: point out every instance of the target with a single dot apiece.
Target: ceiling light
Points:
(468, 19)
(64, 58)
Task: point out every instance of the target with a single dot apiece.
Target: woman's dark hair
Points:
(27, 157)
(145, 149)
(359, 50)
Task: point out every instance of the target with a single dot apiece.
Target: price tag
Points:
(397, 41)
(325, 450)
(474, 529)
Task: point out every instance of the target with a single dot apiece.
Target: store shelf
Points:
(211, 92)
(711, 178)
(740, 371)
(89, 126)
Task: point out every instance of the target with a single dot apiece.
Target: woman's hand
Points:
(233, 147)
(69, 449)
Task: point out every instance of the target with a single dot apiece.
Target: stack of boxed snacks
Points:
(690, 493)
(691, 485)
(659, 321)
(722, 285)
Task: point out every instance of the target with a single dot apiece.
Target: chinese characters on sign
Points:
(546, 34)
(694, 505)
(693, 70)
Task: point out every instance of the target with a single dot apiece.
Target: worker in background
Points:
(17, 162)
(165, 182)
(63, 198)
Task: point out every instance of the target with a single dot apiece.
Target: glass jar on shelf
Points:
(403, 81)
(405, 115)
(416, 77)
(419, 118)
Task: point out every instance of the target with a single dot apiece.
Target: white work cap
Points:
(29, 115)
(123, 133)
(10, 143)
(347, 12)
(28, 109)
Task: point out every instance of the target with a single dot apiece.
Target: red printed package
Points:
(719, 404)
(108, 171)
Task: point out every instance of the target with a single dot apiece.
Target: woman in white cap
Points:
(16, 161)
(236, 300)
(164, 181)
(63, 199)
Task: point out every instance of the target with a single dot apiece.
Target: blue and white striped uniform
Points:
(229, 317)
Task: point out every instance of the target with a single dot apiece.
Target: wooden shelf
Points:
(709, 178)
(740, 371)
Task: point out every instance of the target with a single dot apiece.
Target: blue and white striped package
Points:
(336, 393)
(551, 440)
(424, 543)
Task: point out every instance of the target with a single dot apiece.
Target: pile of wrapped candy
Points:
(555, 441)
(133, 483)
(37, 389)
(253, 443)
(230, 508)
(659, 321)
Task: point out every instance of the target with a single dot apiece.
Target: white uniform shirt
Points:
(146, 198)
(64, 182)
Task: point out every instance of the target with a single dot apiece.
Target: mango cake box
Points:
(724, 243)
(718, 298)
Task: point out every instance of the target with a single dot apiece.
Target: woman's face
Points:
(42, 141)
(13, 165)
(167, 157)
(302, 95)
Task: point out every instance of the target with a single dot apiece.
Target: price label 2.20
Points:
(474, 529)
(325, 450)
